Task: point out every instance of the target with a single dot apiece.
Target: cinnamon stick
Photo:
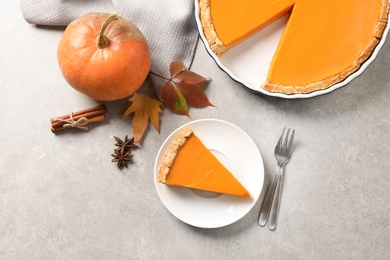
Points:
(79, 119)
(99, 109)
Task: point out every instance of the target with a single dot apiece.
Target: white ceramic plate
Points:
(248, 62)
(239, 154)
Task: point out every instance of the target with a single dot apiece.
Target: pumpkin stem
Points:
(102, 41)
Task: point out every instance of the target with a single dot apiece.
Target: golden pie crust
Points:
(219, 48)
(170, 155)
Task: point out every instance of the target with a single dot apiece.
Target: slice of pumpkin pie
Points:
(189, 163)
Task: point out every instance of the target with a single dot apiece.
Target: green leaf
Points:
(181, 105)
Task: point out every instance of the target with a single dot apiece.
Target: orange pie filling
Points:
(323, 42)
(189, 163)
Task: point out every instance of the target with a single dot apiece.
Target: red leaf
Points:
(175, 68)
(193, 94)
(184, 89)
(169, 95)
(190, 77)
(173, 99)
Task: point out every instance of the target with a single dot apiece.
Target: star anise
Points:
(127, 143)
(121, 157)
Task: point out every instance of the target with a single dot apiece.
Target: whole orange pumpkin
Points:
(104, 56)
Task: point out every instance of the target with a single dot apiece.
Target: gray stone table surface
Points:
(62, 198)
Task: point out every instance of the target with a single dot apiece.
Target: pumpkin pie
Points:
(323, 42)
(189, 163)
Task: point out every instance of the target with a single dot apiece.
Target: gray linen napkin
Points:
(169, 26)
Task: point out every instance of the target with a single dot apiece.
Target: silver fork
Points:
(274, 213)
(282, 153)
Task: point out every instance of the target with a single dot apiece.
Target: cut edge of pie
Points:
(171, 154)
(218, 47)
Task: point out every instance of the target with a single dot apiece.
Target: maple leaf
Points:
(144, 108)
(184, 89)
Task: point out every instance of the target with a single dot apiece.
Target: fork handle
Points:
(275, 206)
(265, 208)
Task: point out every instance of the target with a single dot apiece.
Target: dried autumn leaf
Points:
(175, 68)
(143, 108)
(193, 94)
(188, 76)
(184, 89)
(173, 99)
